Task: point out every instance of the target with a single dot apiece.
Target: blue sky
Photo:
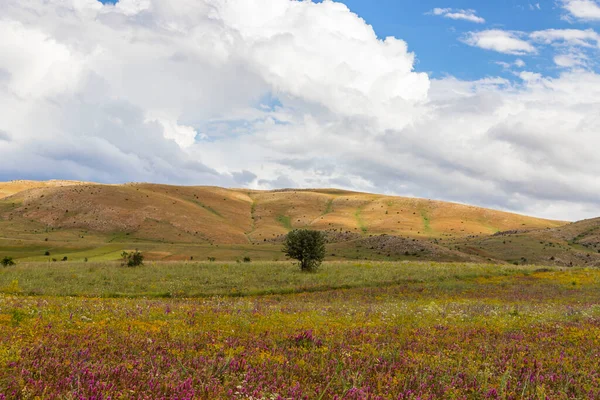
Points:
(436, 40)
(491, 103)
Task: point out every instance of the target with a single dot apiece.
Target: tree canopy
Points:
(306, 246)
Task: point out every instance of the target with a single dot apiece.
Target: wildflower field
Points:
(267, 331)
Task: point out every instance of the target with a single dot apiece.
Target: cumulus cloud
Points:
(501, 41)
(282, 93)
(458, 14)
(187, 70)
(587, 10)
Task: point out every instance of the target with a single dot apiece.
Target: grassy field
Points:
(266, 331)
(189, 279)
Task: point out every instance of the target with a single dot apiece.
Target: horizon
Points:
(484, 104)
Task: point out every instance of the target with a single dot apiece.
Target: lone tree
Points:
(7, 261)
(306, 246)
(133, 259)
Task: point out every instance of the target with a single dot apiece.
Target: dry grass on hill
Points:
(88, 215)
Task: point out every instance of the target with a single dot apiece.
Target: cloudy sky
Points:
(492, 103)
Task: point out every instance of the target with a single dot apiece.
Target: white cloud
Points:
(535, 6)
(38, 65)
(570, 60)
(587, 10)
(183, 135)
(573, 37)
(518, 63)
(572, 45)
(458, 14)
(268, 93)
(501, 41)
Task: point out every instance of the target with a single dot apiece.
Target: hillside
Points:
(572, 244)
(176, 221)
(13, 187)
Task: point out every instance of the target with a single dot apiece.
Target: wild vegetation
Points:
(424, 330)
(7, 261)
(306, 246)
(214, 310)
(132, 259)
(41, 221)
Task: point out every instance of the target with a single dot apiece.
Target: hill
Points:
(577, 243)
(176, 222)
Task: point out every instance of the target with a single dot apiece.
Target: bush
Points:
(247, 259)
(212, 259)
(47, 253)
(7, 262)
(133, 259)
(306, 246)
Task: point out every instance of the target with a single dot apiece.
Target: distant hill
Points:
(13, 187)
(577, 243)
(82, 216)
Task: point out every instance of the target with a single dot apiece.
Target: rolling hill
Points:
(572, 244)
(88, 220)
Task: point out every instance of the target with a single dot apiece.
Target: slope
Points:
(577, 243)
(174, 222)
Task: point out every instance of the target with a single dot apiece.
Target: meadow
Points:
(263, 330)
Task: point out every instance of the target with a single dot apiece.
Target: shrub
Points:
(7, 262)
(47, 253)
(212, 259)
(65, 258)
(306, 246)
(133, 259)
(247, 259)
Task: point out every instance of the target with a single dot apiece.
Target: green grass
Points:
(328, 207)
(99, 251)
(360, 222)
(208, 208)
(200, 279)
(285, 221)
(426, 221)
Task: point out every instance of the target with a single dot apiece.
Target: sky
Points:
(494, 103)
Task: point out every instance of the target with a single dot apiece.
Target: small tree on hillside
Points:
(306, 246)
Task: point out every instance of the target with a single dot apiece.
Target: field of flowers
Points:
(519, 333)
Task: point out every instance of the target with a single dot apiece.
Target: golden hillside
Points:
(198, 214)
(13, 187)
